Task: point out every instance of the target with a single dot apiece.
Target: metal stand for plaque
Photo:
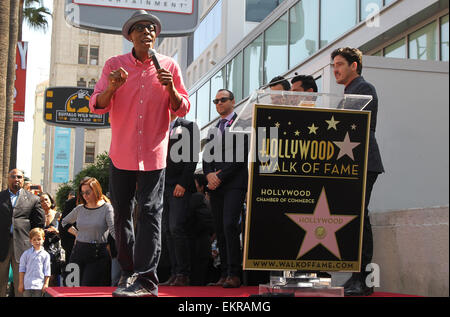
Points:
(297, 283)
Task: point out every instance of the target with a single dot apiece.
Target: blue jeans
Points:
(138, 252)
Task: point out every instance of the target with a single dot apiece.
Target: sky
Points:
(38, 70)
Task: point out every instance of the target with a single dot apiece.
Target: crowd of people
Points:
(158, 204)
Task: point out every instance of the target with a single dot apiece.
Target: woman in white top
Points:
(94, 218)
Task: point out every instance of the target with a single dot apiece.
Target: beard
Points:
(16, 186)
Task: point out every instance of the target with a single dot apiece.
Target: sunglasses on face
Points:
(141, 27)
(222, 100)
(16, 176)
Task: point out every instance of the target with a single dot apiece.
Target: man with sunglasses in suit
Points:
(20, 211)
(225, 160)
(139, 94)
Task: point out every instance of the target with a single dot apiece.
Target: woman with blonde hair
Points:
(94, 220)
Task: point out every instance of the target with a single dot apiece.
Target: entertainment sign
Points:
(175, 6)
(178, 17)
(69, 107)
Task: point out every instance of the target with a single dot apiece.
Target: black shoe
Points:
(135, 290)
(351, 281)
(358, 288)
(126, 280)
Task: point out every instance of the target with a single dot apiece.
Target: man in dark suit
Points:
(182, 158)
(225, 160)
(20, 211)
(347, 64)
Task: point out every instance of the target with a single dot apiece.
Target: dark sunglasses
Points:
(222, 100)
(141, 27)
(16, 176)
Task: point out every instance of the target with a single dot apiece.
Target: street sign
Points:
(178, 17)
(69, 107)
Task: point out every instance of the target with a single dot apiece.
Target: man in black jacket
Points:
(182, 158)
(20, 211)
(347, 64)
(225, 160)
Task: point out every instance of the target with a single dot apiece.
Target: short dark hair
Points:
(351, 55)
(230, 93)
(308, 82)
(280, 80)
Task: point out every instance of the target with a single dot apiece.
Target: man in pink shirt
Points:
(139, 98)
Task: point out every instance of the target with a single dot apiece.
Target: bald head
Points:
(15, 180)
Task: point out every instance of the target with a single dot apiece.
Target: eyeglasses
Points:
(141, 27)
(87, 193)
(222, 100)
(16, 176)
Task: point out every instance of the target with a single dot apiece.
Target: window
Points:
(258, 10)
(423, 44)
(191, 114)
(81, 82)
(276, 49)
(82, 54)
(203, 104)
(253, 66)
(396, 50)
(336, 17)
(89, 154)
(304, 31)
(207, 31)
(93, 55)
(92, 83)
(217, 82)
(234, 77)
(369, 8)
(444, 39)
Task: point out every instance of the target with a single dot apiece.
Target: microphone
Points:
(152, 55)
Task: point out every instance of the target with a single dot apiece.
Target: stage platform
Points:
(171, 292)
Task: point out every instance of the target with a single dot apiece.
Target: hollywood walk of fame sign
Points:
(306, 189)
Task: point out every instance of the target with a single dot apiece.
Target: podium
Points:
(306, 192)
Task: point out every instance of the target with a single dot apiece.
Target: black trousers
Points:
(367, 247)
(226, 206)
(139, 251)
(174, 224)
(94, 263)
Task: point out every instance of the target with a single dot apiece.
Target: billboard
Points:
(61, 155)
(69, 107)
(178, 17)
(20, 82)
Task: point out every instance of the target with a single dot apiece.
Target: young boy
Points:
(34, 268)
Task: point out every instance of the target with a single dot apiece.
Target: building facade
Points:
(77, 59)
(38, 159)
(406, 57)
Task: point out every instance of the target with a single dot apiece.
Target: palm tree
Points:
(4, 47)
(12, 17)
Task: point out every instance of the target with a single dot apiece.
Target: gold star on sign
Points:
(297, 133)
(332, 123)
(353, 126)
(277, 124)
(313, 129)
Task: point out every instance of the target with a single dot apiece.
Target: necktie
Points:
(222, 125)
